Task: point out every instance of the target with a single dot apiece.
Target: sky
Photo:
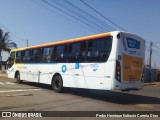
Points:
(38, 22)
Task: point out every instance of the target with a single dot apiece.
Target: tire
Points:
(57, 84)
(18, 80)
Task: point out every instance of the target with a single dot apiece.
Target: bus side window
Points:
(36, 55)
(54, 54)
(108, 47)
(51, 54)
(83, 48)
(99, 49)
(93, 51)
(104, 48)
(19, 56)
(108, 44)
(47, 54)
(70, 53)
(74, 51)
(61, 53)
(102, 51)
(27, 56)
(65, 53)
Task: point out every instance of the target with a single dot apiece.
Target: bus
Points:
(108, 61)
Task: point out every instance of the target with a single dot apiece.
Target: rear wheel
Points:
(57, 84)
(18, 80)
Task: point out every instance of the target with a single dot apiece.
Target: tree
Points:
(5, 44)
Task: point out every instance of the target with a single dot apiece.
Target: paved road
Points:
(38, 97)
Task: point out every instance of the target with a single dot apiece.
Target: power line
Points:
(79, 15)
(14, 34)
(147, 41)
(75, 17)
(53, 6)
(11, 32)
(156, 46)
(89, 15)
(102, 15)
(156, 43)
(154, 51)
(51, 10)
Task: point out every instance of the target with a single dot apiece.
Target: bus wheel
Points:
(18, 78)
(57, 84)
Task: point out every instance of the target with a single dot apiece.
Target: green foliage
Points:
(5, 43)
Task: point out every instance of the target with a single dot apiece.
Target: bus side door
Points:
(79, 75)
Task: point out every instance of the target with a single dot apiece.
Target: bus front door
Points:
(33, 73)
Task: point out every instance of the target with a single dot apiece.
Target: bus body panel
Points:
(95, 75)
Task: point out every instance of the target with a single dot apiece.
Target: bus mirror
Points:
(9, 58)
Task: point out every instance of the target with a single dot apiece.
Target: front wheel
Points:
(57, 84)
(18, 80)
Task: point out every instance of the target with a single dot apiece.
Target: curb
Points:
(3, 75)
(152, 83)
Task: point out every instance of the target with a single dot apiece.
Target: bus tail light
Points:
(118, 71)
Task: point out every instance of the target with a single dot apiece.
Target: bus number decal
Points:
(94, 66)
(77, 66)
(64, 68)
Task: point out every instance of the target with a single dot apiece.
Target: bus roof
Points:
(65, 41)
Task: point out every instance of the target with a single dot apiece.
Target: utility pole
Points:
(0, 60)
(27, 43)
(150, 60)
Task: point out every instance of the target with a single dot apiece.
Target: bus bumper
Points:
(131, 86)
